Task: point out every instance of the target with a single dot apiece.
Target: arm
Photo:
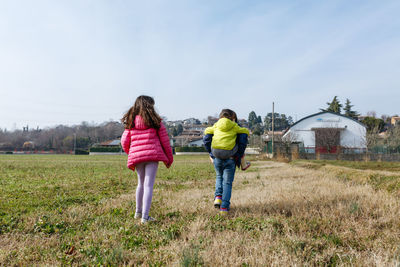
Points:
(164, 140)
(209, 130)
(241, 130)
(126, 140)
(241, 141)
(207, 139)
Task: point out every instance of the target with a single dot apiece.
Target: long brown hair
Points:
(144, 107)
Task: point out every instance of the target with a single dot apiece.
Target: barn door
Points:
(327, 140)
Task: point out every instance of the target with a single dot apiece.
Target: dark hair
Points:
(144, 107)
(229, 114)
(234, 118)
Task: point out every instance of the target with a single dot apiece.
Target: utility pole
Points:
(273, 127)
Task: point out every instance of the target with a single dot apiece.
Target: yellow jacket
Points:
(225, 131)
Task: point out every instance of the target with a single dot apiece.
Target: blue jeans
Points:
(225, 170)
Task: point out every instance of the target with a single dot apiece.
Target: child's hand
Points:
(168, 165)
(212, 160)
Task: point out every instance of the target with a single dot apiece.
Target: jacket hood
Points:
(139, 123)
(225, 124)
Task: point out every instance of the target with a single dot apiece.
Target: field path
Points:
(283, 214)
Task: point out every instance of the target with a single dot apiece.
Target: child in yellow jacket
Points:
(223, 147)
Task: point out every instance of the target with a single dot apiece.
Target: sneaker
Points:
(138, 215)
(217, 202)
(246, 166)
(223, 212)
(149, 219)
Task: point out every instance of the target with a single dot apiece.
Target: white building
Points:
(187, 140)
(325, 132)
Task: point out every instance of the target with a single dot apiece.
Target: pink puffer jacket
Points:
(143, 143)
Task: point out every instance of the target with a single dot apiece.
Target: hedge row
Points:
(105, 149)
(190, 149)
(81, 152)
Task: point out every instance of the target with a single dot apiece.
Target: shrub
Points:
(190, 149)
(81, 152)
(105, 149)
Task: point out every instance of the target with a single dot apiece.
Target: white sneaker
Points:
(138, 215)
(149, 219)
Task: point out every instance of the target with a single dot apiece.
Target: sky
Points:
(65, 62)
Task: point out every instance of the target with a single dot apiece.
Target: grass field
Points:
(78, 210)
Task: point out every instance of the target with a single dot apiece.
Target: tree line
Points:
(258, 125)
(83, 136)
(60, 138)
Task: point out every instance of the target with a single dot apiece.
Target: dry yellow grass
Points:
(291, 216)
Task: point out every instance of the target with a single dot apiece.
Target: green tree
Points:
(253, 119)
(68, 142)
(334, 106)
(179, 129)
(281, 121)
(348, 111)
(290, 120)
(373, 124)
(257, 130)
(82, 142)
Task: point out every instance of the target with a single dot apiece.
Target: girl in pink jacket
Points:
(146, 142)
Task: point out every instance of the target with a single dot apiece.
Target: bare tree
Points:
(372, 138)
(61, 137)
(392, 140)
(288, 144)
(385, 118)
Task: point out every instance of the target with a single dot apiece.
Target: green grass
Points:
(52, 183)
(64, 196)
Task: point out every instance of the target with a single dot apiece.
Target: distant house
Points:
(187, 140)
(395, 120)
(111, 143)
(174, 123)
(326, 132)
(28, 145)
(267, 138)
(277, 135)
(190, 132)
(107, 147)
(196, 142)
(191, 121)
(193, 128)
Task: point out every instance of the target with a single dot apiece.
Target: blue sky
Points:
(64, 62)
